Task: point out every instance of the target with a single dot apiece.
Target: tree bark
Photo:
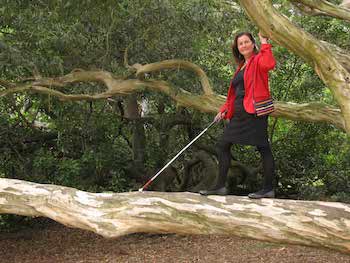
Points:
(346, 4)
(313, 223)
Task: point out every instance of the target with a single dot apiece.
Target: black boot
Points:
(262, 194)
(218, 191)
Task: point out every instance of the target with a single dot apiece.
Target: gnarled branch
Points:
(312, 112)
(178, 64)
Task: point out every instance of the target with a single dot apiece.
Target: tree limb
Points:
(342, 55)
(320, 224)
(322, 7)
(311, 112)
(178, 64)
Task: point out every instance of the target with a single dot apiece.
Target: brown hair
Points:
(238, 57)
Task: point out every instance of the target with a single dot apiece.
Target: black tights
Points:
(224, 156)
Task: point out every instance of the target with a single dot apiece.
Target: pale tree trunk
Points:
(331, 63)
(346, 4)
(320, 224)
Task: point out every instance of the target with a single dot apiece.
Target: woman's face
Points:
(245, 46)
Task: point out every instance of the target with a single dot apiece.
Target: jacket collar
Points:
(249, 61)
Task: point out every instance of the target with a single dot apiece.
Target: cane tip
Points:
(140, 190)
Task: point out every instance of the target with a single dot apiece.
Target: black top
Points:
(238, 84)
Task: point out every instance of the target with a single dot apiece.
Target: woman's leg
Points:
(269, 173)
(268, 165)
(224, 157)
(223, 149)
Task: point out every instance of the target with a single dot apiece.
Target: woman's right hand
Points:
(263, 38)
(219, 116)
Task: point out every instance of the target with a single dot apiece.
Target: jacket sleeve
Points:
(223, 108)
(266, 60)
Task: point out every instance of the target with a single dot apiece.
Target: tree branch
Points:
(342, 55)
(322, 7)
(178, 64)
(311, 112)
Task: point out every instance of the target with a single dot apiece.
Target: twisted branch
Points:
(322, 7)
(178, 64)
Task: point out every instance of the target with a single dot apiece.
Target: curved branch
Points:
(313, 111)
(310, 112)
(322, 7)
(177, 64)
(321, 224)
(342, 55)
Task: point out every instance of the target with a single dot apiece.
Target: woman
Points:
(249, 85)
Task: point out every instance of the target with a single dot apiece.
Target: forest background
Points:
(116, 144)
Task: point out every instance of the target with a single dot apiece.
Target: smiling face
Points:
(245, 46)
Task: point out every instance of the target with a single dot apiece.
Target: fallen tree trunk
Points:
(320, 224)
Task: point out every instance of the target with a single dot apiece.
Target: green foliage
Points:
(314, 162)
(13, 223)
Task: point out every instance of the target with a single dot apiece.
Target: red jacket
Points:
(255, 75)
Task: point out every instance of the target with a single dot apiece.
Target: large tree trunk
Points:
(321, 224)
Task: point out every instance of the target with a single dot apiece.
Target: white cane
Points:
(177, 155)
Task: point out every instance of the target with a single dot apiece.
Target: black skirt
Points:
(245, 128)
